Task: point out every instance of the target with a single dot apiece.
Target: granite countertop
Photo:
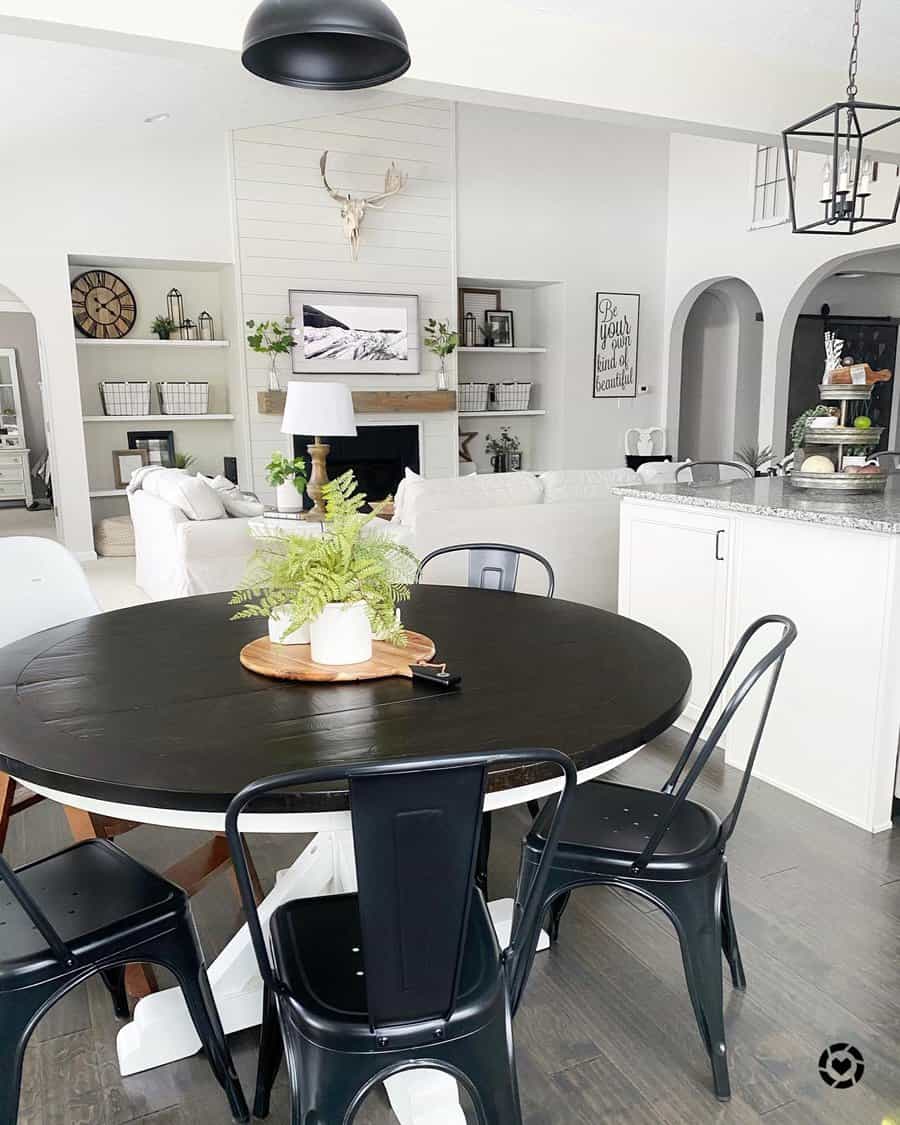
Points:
(773, 496)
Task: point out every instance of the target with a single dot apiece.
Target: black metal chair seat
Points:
(84, 891)
(613, 823)
(317, 944)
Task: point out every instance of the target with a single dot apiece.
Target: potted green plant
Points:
(345, 584)
(184, 460)
(163, 326)
(272, 338)
(755, 457)
(440, 340)
(287, 475)
(505, 450)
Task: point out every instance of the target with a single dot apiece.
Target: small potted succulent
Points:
(164, 327)
(287, 475)
(336, 590)
(505, 451)
(272, 338)
(440, 340)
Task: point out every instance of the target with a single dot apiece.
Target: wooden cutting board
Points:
(294, 662)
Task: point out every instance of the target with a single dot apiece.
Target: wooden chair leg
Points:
(7, 793)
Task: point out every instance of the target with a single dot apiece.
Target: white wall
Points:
(709, 379)
(709, 239)
(151, 193)
(583, 204)
(291, 237)
(873, 295)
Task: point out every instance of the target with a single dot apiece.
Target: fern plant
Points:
(342, 565)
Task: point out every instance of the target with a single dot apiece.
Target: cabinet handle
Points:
(719, 556)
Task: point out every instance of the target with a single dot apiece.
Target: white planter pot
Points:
(287, 498)
(341, 634)
(279, 628)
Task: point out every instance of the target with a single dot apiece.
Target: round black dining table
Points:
(146, 714)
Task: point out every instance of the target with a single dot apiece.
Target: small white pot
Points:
(341, 634)
(287, 498)
(279, 628)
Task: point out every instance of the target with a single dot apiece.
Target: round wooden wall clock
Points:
(103, 306)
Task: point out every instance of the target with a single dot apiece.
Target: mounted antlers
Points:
(353, 208)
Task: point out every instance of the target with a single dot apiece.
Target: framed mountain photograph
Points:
(355, 333)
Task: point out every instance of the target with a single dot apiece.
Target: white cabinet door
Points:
(673, 572)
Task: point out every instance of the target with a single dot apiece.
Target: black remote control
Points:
(436, 675)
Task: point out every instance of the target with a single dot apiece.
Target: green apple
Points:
(863, 422)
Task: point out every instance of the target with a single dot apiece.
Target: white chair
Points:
(42, 585)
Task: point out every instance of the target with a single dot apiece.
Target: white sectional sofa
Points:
(570, 517)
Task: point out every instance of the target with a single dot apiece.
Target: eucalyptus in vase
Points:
(440, 340)
(272, 338)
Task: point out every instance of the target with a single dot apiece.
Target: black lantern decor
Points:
(847, 176)
(205, 326)
(190, 331)
(325, 44)
(175, 308)
(470, 331)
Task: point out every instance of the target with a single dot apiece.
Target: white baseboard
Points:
(793, 792)
(86, 556)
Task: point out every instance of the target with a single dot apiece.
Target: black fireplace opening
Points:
(378, 455)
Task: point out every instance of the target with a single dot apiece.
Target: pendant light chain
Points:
(852, 88)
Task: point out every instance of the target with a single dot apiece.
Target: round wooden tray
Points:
(294, 662)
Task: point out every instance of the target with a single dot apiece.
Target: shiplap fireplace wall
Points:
(290, 236)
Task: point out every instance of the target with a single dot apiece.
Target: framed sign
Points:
(362, 333)
(616, 324)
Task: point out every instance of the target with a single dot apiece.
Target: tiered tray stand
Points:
(833, 442)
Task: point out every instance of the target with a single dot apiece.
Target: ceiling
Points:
(720, 67)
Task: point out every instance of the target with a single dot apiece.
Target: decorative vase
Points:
(341, 634)
(500, 462)
(274, 381)
(442, 375)
(280, 632)
(287, 498)
(163, 335)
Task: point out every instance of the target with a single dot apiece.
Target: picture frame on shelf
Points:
(477, 302)
(616, 333)
(504, 330)
(126, 462)
(159, 446)
(341, 333)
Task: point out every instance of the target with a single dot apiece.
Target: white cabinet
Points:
(673, 576)
(15, 465)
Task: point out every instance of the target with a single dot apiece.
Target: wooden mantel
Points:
(375, 402)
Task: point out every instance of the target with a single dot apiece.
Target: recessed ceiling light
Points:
(850, 275)
(155, 118)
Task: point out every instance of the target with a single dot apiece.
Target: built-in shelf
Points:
(502, 351)
(158, 418)
(102, 493)
(129, 342)
(501, 413)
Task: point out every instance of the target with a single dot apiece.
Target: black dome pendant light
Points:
(325, 44)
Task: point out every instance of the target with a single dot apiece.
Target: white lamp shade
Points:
(320, 409)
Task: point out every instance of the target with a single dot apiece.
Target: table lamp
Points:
(318, 408)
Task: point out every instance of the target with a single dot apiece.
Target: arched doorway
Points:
(721, 367)
(24, 441)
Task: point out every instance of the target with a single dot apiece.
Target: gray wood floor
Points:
(606, 1034)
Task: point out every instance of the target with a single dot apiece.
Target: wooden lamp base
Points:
(318, 476)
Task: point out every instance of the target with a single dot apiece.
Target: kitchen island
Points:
(700, 562)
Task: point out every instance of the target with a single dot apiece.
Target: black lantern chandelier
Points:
(847, 177)
(325, 44)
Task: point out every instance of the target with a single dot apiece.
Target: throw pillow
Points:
(189, 494)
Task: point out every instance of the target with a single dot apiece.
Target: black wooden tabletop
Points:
(150, 705)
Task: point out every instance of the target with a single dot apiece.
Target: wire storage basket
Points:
(473, 396)
(511, 396)
(183, 398)
(120, 399)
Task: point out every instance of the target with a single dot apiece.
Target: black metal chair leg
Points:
(182, 954)
(487, 1059)
(699, 932)
(484, 853)
(730, 946)
(327, 1093)
(114, 979)
(271, 1051)
(17, 1012)
(534, 807)
(555, 916)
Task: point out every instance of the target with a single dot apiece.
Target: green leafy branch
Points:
(438, 337)
(271, 337)
(281, 469)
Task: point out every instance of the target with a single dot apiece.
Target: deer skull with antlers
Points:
(353, 208)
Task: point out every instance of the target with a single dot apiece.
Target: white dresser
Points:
(15, 457)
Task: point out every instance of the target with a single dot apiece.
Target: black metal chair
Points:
(891, 460)
(92, 909)
(492, 566)
(668, 849)
(407, 972)
(713, 472)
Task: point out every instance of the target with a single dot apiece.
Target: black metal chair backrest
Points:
(711, 472)
(892, 459)
(493, 566)
(771, 661)
(39, 919)
(416, 827)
